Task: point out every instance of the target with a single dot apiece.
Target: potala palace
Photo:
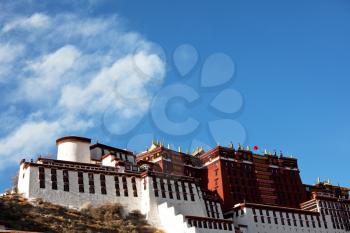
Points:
(225, 189)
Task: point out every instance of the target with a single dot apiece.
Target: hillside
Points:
(17, 213)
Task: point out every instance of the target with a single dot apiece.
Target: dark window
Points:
(91, 183)
(155, 186)
(81, 181)
(42, 177)
(184, 190)
(65, 173)
(116, 184)
(162, 188)
(205, 224)
(262, 219)
(125, 186)
(177, 190)
(42, 184)
(54, 179)
(103, 184)
(54, 185)
(103, 190)
(134, 188)
(65, 180)
(191, 191)
(170, 189)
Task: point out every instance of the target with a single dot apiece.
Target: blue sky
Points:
(110, 69)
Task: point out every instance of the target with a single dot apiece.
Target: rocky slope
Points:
(17, 213)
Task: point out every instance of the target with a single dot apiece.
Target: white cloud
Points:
(70, 70)
(35, 21)
(8, 54)
(28, 139)
(121, 86)
(48, 74)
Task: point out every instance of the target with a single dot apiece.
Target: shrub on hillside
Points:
(17, 213)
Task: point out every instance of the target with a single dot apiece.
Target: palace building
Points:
(220, 190)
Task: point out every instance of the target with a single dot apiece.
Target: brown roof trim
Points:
(277, 208)
(216, 149)
(67, 162)
(72, 139)
(106, 172)
(170, 176)
(141, 162)
(160, 149)
(110, 148)
(324, 198)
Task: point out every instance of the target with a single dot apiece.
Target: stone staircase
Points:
(175, 222)
(172, 221)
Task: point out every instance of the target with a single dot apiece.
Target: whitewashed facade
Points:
(253, 218)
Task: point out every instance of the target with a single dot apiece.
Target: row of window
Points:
(212, 209)
(170, 189)
(334, 205)
(340, 213)
(290, 218)
(335, 213)
(288, 221)
(90, 180)
(338, 224)
(209, 224)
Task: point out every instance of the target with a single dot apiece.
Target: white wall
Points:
(160, 212)
(109, 161)
(75, 199)
(248, 219)
(24, 180)
(74, 151)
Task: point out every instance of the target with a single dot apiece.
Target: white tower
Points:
(74, 149)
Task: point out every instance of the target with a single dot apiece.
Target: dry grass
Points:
(17, 213)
